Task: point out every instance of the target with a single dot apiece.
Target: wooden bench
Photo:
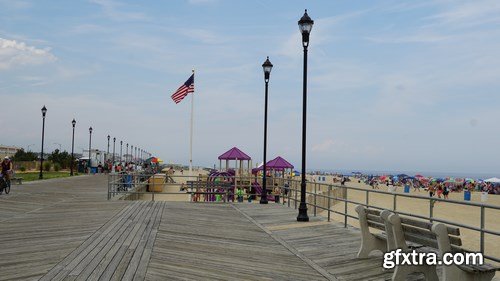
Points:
(408, 230)
(19, 180)
(370, 241)
(447, 243)
(437, 238)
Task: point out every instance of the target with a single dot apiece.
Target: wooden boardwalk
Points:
(67, 230)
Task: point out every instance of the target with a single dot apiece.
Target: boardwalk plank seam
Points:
(311, 263)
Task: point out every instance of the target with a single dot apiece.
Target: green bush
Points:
(22, 169)
(57, 167)
(47, 166)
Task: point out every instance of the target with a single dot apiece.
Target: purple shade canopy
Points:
(279, 163)
(233, 154)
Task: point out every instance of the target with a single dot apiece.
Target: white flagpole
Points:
(191, 136)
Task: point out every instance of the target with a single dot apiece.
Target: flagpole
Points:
(191, 135)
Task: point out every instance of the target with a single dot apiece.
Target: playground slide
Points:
(258, 190)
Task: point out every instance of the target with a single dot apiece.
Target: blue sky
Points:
(393, 85)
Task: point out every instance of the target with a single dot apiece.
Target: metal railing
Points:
(320, 196)
(331, 189)
(141, 186)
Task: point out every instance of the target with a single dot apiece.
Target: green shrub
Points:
(22, 169)
(57, 167)
(47, 166)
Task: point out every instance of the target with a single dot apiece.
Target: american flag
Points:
(186, 88)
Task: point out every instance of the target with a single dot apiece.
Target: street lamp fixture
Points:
(305, 26)
(107, 152)
(90, 149)
(114, 142)
(121, 146)
(44, 112)
(72, 148)
(267, 66)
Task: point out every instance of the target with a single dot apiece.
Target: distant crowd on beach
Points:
(435, 187)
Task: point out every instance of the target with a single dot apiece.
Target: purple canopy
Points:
(233, 154)
(279, 163)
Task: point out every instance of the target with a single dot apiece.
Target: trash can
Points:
(93, 170)
(484, 196)
(407, 189)
(467, 195)
(240, 199)
(128, 181)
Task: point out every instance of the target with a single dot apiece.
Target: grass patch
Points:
(33, 176)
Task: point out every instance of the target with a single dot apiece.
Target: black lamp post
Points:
(44, 111)
(90, 149)
(114, 142)
(267, 66)
(72, 148)
(107, 152)
(126, 154)
(305, 26)
(121, 146)
(131, 153)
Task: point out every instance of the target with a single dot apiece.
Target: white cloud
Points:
(470, 13)
(112, 9)
(323, 146)
(14, 53)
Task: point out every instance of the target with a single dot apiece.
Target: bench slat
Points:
(372, 211)
(376, 225)
(428, 234)
(374, 218)
(426, 225)
(478, 268)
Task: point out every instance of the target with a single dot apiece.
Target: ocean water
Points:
(412, 173)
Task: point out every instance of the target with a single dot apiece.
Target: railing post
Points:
(295, 191)
(345, 207)
(431, 209)
(315, 191)
(289, 194)
(367, 203)
(154, 182)
(481, 244)
(394, 202)
(329, 200)
(109, 186)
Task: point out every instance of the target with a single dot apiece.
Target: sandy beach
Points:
(419, 205)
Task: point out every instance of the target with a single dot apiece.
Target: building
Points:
(8, 150)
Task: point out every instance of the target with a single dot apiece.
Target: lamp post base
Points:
(263, 200)
(302, 212)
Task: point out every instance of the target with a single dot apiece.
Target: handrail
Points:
(316, 190)
(482, 230)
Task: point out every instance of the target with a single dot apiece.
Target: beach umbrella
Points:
(469, 180)
(493, 180)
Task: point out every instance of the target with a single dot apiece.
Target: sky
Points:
(392, 85)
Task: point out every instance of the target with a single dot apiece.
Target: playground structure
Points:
(239, 157)
(277, 168)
